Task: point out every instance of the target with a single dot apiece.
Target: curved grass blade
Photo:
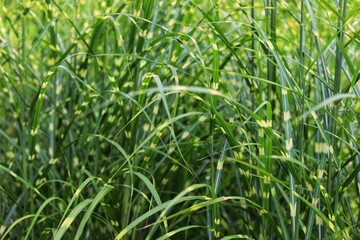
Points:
(69, 219)
(99, 197)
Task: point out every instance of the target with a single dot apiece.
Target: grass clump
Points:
(185, 120)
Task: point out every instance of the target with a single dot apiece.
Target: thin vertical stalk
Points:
(322, 64)
(265, 152)
(301, 128)
(322, 93)
(253, 39)
(271, 31)
(53, 55)
(290, 154)
(286, 81)
(302, 79)
(320, 168)
(337, 83)
(214, 220)
(216, 211)
(27, 168)
(261, 132)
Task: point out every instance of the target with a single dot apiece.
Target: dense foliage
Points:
(179, 119)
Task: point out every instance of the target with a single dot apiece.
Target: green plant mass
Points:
(212, 119)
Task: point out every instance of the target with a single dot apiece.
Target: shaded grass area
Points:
(184, 120)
